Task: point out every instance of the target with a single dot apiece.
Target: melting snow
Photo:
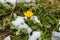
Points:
(10, 1)
(35, 18)
(56, 35)
(2, 1)
(59, 21)
(28, 0)
(7, 38)
(59, 28)
(35, 35)
(19, 23)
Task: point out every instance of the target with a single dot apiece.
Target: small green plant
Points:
(47, 13)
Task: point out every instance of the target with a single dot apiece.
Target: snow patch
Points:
(2, 1)
(35, 18)
(35, 35)
(56, 35)
(59, 28)
(19, 23)
(59, 21)
(7, 38)
(28, 0)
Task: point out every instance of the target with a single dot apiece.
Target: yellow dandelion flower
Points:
(28, 14)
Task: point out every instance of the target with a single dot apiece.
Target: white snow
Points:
(59, 21)
(35, 18)
(55, 35)
(14, 1)
(7, 38)
(24, 25)
(2, 1)
(19, 23)
(11, 1)
(35, 35)
(59, 28)
(28, 0)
